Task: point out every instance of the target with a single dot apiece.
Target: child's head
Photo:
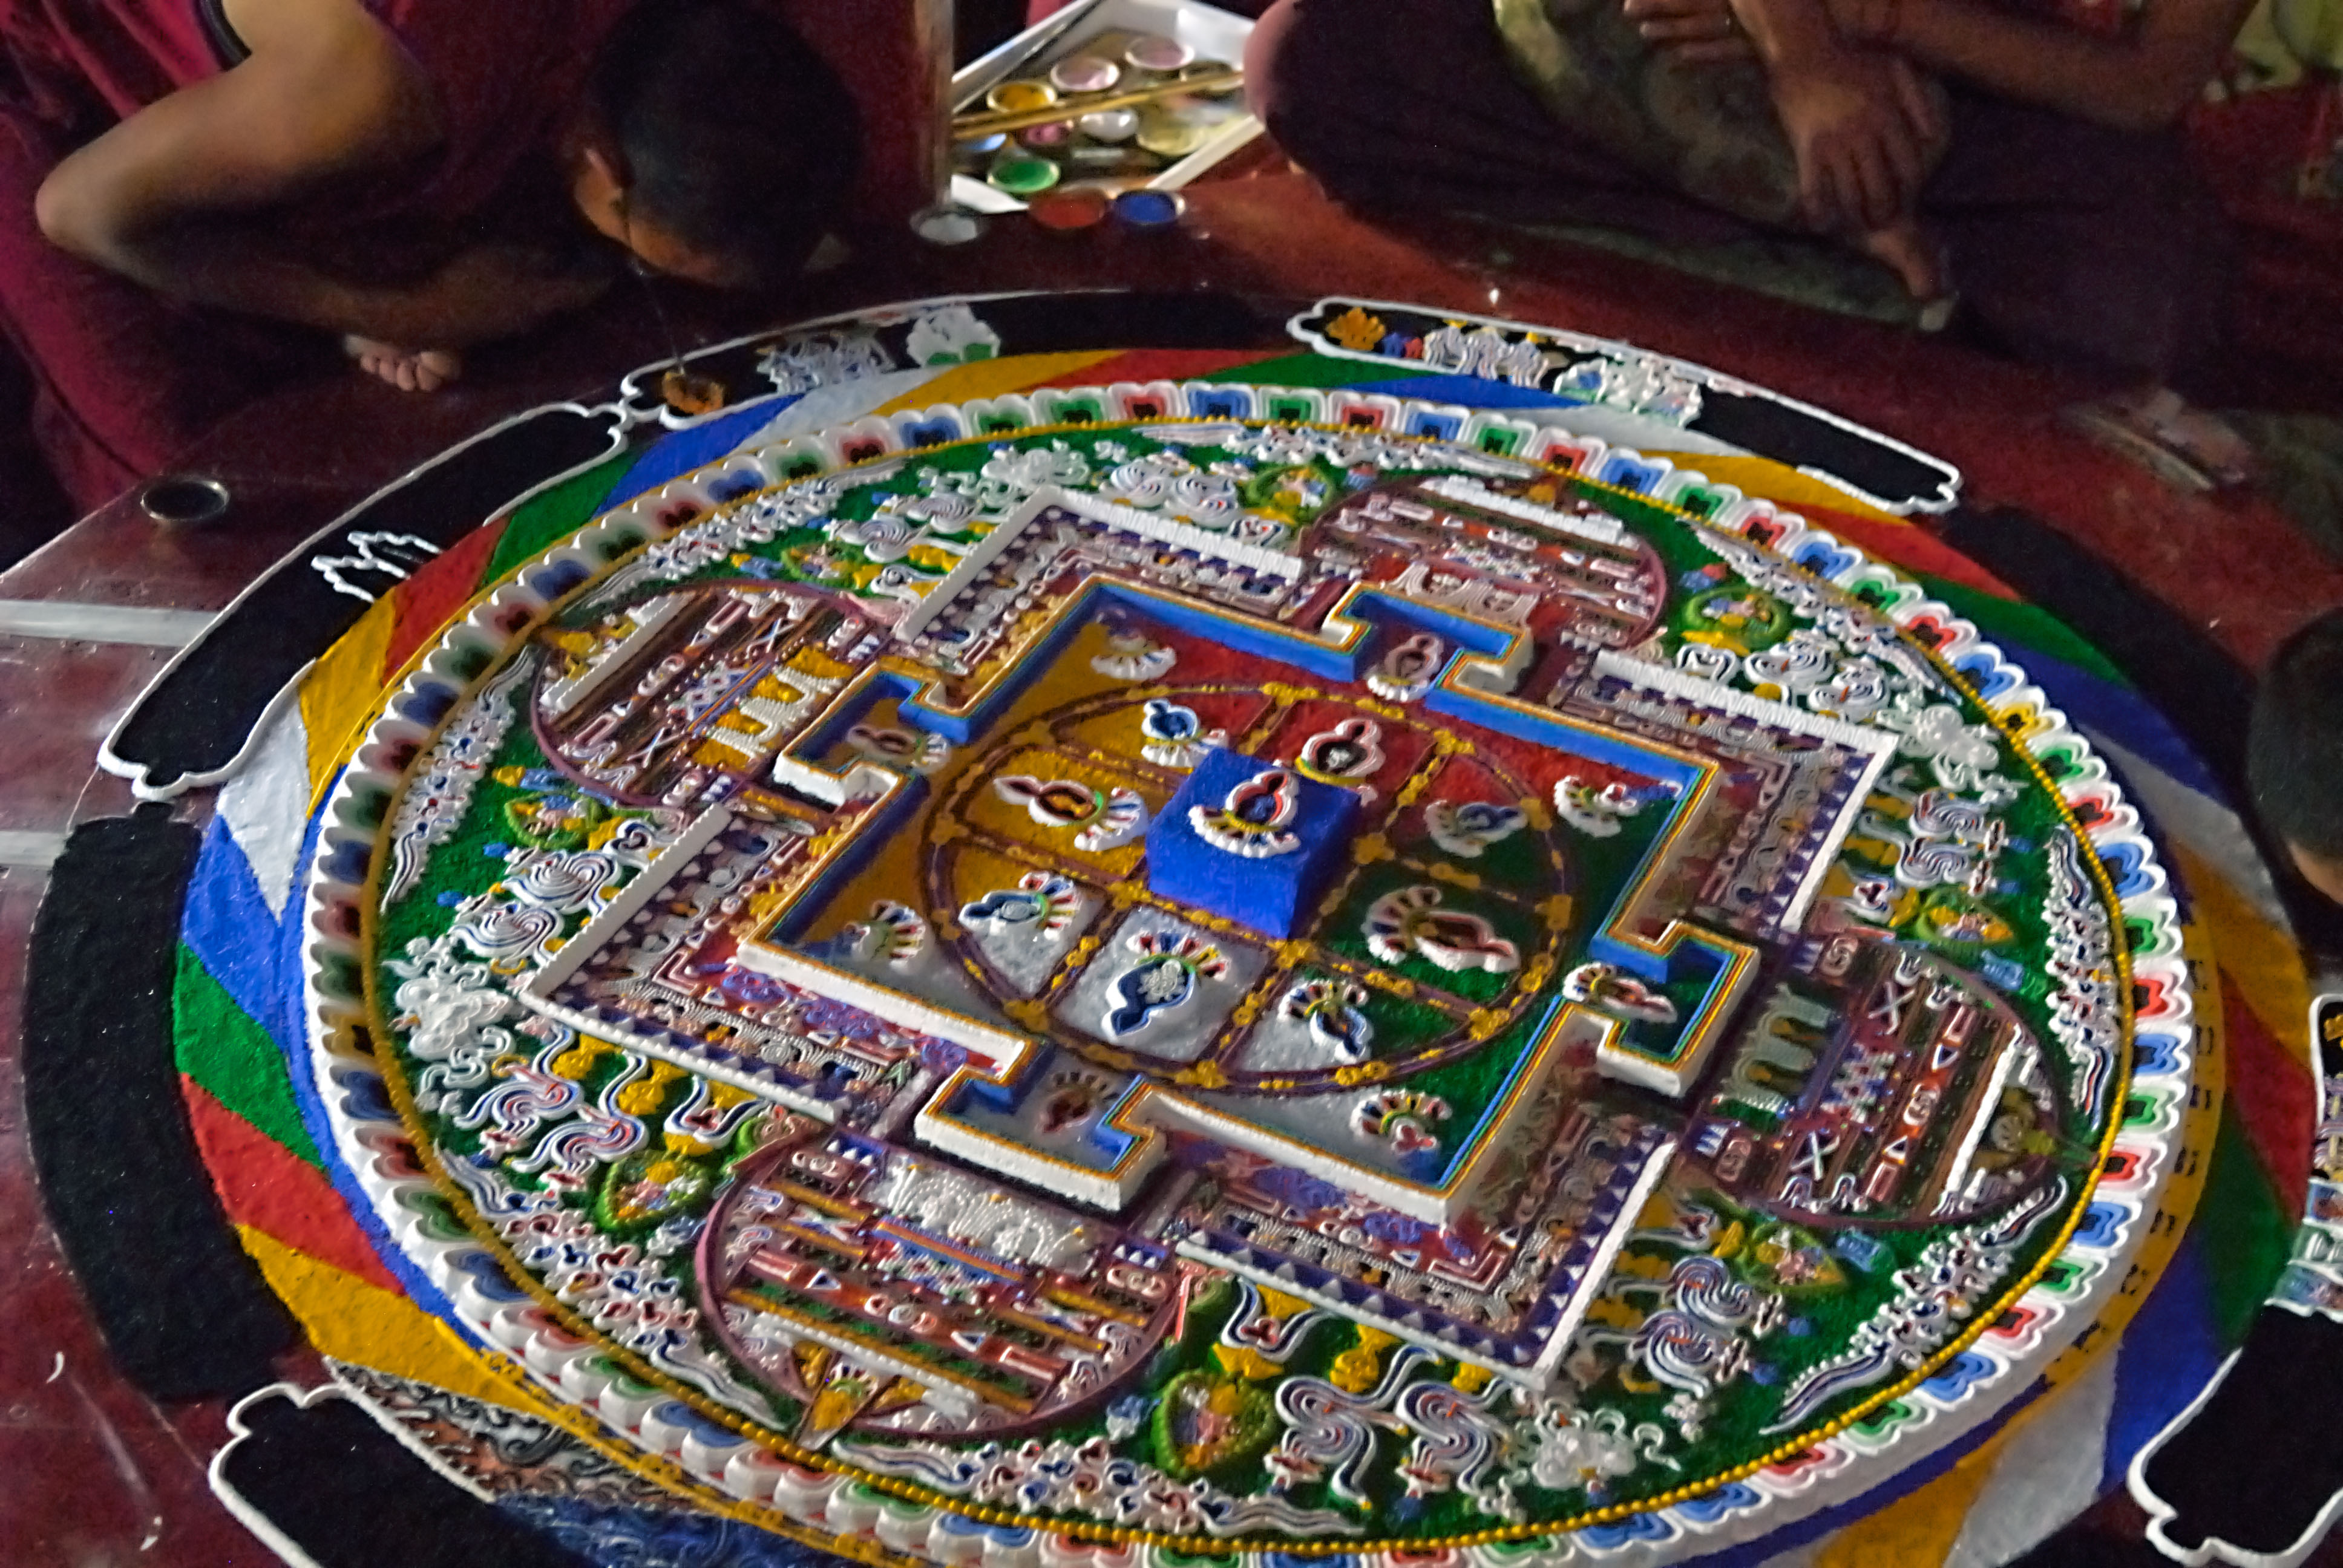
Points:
(717, 145)
(2294, 752)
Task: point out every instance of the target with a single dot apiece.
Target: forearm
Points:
(223, 268)
(1789, 35)
(2140, 81)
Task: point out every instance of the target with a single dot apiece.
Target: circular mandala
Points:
(1155, 970)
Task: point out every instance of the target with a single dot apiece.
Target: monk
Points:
(2294, 773)
(182, 180)
(2029, 160)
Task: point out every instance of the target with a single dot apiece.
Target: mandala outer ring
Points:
(331, 1016)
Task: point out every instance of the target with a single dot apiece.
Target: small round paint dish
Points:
(1023, 174)
(1153, 52)
(1149, 209)
(1171, 136)
(1020, 98)
(1199, 70)
(1109, 125)
(1056, 133)
(946, 224)
(184, 500)
(975, 147)
(1070, 209)
(1084, 74)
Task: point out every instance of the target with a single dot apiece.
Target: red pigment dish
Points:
(1073, 208)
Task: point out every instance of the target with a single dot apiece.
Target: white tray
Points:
(1213, 32)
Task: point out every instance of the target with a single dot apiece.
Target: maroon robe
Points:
(121, 379)
(2070, 244)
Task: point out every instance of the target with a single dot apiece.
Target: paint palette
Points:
(1133, 94)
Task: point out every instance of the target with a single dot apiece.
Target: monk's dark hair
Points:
(2294, 741)
(740, 140)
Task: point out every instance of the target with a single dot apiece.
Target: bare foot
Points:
(2189, 448)
(1907, 252)
(2202, 436)
(409, 369)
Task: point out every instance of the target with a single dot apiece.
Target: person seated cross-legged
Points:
(2294, 757)
(2031, 164)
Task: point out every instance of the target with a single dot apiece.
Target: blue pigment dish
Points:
(1149, 209)
(1274, 896)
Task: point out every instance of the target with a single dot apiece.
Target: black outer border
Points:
(183, 1308)
(343, 1491)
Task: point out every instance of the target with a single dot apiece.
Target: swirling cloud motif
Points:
(1459, 1442)
(1331, 1434)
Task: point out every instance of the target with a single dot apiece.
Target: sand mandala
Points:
(1212, 970)
(1142, 932)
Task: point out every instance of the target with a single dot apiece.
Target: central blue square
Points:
(1237, 864)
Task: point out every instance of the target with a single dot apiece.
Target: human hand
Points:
(409, 370)
(1696, 32)
(1915, 258)
(1866, 133)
